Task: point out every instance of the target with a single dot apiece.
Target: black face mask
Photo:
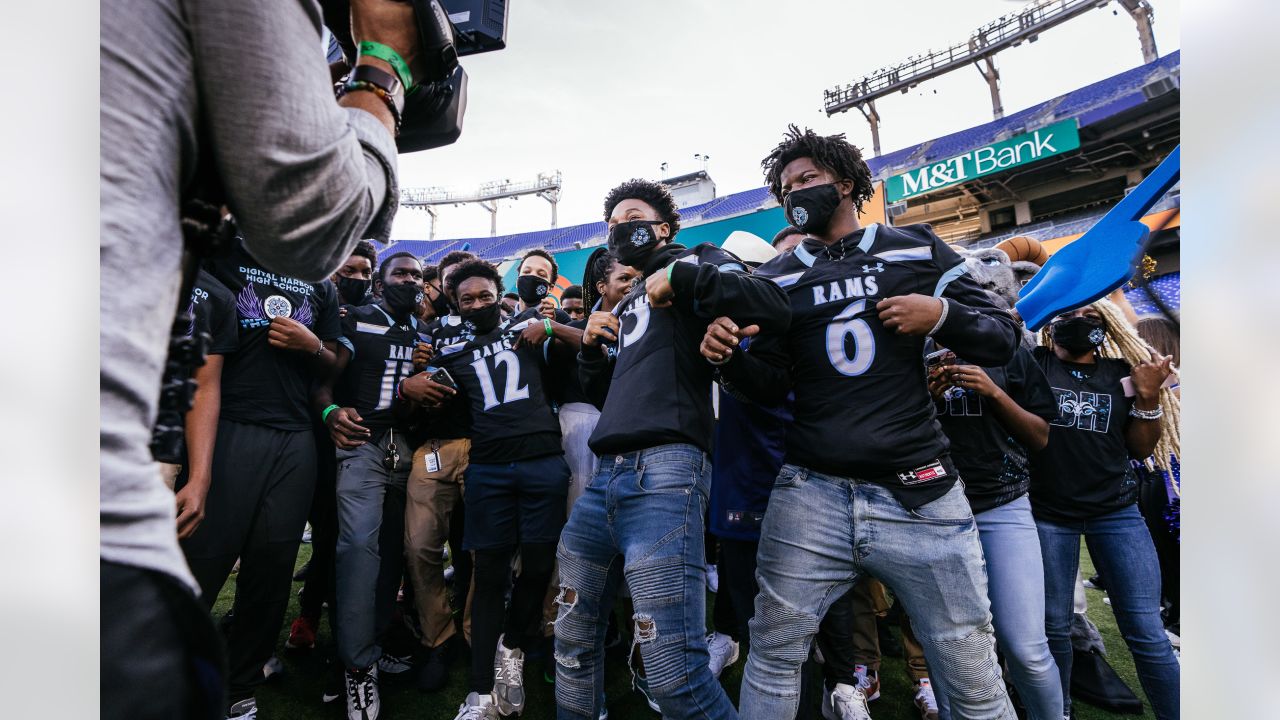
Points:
(810, 209)
(634, 241)
(484, 319)
(352, 290)
(402, 298)
(531, 289)
(441, 305)
(1078, 335)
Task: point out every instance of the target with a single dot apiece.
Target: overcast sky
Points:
(604, 90)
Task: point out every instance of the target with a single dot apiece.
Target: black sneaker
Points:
(335, 683)
(301, 575)
(433, 674)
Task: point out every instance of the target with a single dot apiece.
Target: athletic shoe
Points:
(604, 714)
(508, 679)
(390, 664)
(434, 671)
(301, 574)
(868, 682)
(1095, 583)
(272, 668)
(444, 554)
(477, 707)
(302, 634)
(723, 650)
(713, 578)
(246, 709)
(306, 533)
(640, 684)
(334, 683)
(363, 702)
(845, 702)
(926, 703)
(448, 574)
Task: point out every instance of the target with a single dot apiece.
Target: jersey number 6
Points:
(845, 324)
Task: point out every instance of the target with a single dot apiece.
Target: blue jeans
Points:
(1015, 584)
(369, 557)
(1123, 553)
(820, 534)
(641, 517)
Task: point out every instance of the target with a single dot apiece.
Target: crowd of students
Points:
(845, 411)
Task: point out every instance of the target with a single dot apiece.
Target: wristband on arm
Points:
(392, 58)
(546, 323)
(324, 415)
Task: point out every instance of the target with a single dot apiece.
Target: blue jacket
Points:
(749, 444)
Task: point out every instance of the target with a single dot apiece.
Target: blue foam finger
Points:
(1102, 259)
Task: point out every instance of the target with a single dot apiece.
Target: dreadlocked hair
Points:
(1123, 342)
(829, 152)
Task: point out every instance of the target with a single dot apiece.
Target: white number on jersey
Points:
(641, 313)
(396, 371)
(512, 392)
(864, 343)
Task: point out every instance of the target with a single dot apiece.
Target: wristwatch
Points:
(382, 79)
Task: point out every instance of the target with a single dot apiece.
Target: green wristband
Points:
(324, 414)
(382, 52)
(546, 323)
(670, 267)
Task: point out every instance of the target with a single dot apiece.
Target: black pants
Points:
(488, 621)
(738, 589)
(319, 586)
(261, 489)
(161, 657)
(1153, 501)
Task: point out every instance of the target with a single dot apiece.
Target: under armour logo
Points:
(878, 267)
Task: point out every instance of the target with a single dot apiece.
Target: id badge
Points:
(433, 462)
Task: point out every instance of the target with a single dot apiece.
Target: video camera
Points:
(448, 29)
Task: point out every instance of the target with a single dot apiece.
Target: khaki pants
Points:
(432, 497)
(869, 602)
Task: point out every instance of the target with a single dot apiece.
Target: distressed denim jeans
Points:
(641, 517)
(1124, 554)
(820, 534)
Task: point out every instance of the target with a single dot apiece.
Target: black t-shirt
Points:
(213, 311)
(862, 406)
(511, 418)
(992, 464)
(1084, 471)
(263, 385)
(381, 356)
(659, 390)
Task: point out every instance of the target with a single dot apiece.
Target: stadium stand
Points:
(1090, 104)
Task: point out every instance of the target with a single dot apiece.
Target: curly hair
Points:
(1123, 342)
(654, 194)
(453, 258)
(830, 152)
(474, 269)
(542, 253)
(386, 263)
(365, 249)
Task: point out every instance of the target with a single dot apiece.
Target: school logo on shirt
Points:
(277, 306)
(255, 312)
(1084, 410)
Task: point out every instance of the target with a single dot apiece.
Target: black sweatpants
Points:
(161, 657)
(319, 586)
(259, 498)
(488, 619)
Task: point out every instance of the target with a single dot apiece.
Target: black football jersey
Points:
(1084, 471)
(659, 390)
(263, 385)
(862, 408)
(511, 418)
(381, 356)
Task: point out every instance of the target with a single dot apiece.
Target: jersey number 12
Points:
(513, 390)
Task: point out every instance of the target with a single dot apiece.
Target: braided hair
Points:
(599, 263)
(829, 152)
(1123, 342)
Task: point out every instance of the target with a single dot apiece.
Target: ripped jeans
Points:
(641, 517)
(820, 535)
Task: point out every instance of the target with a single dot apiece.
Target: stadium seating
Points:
(1090, 104)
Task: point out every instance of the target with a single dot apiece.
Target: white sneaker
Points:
(723, 650)
(926, 703)
(448, 574)
(306, 533)
(363, 702)
(868, 682)
(845, 702)
(508, 679)
(713, 578)
(246, 709)
(477, 707)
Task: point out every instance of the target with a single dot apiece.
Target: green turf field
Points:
(296, 695)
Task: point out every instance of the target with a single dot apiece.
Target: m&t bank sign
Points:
(1018, 150)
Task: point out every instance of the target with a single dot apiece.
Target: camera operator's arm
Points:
(305, 177)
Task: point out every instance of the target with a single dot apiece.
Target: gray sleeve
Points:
(306, 178)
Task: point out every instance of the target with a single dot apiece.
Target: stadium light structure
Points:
(546, 186)
(980, 49)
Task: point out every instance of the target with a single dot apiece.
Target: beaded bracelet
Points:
(382, 94)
